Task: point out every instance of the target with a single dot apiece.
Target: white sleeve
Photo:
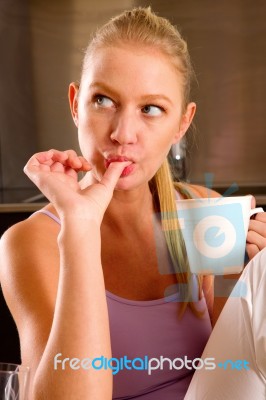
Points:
(237, 343)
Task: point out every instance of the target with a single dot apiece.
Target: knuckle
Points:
(70, 152)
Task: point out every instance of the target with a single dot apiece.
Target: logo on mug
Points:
(214, 237)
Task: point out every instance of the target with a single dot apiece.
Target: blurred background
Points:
(42, 43)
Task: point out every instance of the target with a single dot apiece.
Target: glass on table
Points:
(14, 380)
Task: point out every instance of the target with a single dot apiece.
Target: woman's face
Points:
(129, 107)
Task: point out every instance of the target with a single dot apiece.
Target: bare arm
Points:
(74, 320)
(80, 326)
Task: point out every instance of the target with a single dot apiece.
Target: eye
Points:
(102, 101)
(152, 110)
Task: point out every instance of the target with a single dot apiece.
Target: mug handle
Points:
(256, 211)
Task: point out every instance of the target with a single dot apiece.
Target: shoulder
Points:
(29, 271)
(192, 191)
(27, 239)
(27, 242)
(29, 265)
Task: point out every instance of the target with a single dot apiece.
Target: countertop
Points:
(21, 207)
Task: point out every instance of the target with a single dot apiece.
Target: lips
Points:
(127, 170)
(115, 159)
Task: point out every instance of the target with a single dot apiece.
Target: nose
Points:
(125, 128)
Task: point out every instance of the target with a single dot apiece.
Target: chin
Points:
(123, 185)
(130, 183)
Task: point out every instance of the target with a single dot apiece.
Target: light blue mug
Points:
(215, 231)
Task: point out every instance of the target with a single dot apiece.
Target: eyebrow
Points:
(145, 98)
(102, 86)
(151, 97)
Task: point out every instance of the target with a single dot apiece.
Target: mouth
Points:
(126, 171)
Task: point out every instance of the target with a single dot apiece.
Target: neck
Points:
(129, 209)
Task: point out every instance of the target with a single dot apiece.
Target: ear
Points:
(73, 101)
(185, 121)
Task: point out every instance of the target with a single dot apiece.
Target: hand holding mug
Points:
(256, 236)
(215, 232)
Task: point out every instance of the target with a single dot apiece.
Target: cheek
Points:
(91, 136)
(158, 149)
(156, 154)
(161, 142)
(88, 148)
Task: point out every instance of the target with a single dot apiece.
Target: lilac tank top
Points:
(148, 337)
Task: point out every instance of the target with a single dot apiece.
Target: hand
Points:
(256, 237)
(55, 173)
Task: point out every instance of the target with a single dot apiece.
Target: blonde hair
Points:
(141, 26)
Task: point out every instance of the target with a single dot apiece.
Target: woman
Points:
(82, 278)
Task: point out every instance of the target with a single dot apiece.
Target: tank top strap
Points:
(49, 214)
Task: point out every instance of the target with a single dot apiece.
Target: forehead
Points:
(135, 69)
